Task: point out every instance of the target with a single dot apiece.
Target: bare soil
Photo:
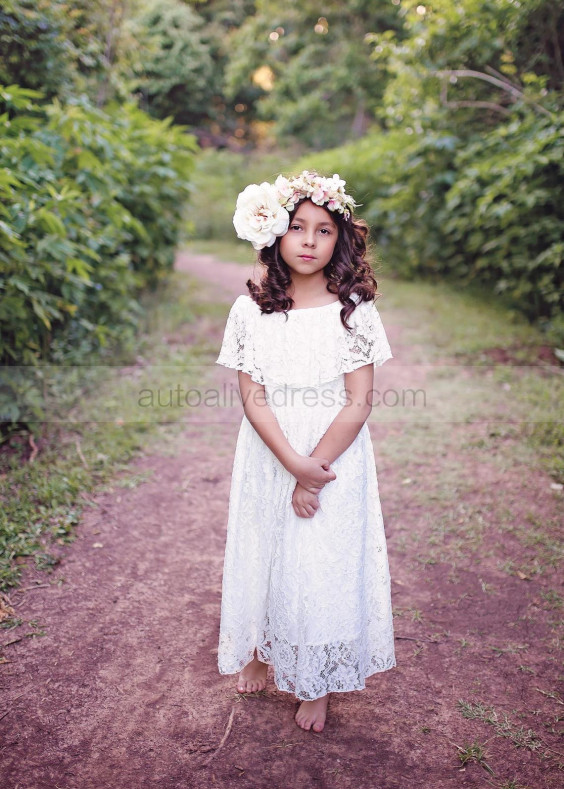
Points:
(122, 690)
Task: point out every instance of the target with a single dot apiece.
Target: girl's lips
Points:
(308, 257)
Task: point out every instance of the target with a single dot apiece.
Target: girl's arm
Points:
(347, 424)
(311, 473)
(341, 433)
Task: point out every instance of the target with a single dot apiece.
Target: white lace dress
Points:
(311, 594)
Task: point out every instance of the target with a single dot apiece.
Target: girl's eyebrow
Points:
(319, 224)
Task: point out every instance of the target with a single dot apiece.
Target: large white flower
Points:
(259, 217)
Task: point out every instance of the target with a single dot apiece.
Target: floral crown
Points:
(262, 211)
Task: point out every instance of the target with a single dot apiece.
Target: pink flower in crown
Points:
(318, 190)
(302, 185)
(295, 197)
(284, 188)
(319, 196)
(337, 184)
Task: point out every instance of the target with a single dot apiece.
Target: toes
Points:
(303, 722)
(310, 719)
(245, 686)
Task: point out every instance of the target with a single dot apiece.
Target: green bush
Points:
(35, 51)
(92, 203)
(486, 213)
(504, 215)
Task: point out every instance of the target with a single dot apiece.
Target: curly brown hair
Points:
(347, 272)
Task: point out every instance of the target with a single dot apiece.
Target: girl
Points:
(306, 585)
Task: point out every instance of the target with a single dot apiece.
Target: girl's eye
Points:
(325, 231)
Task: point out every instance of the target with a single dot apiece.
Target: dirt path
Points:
(122, 691)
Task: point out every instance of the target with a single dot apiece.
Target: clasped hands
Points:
(311, 475)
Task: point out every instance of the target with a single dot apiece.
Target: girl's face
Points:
(307, 246)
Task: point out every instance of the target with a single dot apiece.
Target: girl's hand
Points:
(304, 502)
(313, 473)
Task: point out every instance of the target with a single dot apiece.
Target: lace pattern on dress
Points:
(308, 349)
(237, 350)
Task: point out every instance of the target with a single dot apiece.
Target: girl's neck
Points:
(309, 292)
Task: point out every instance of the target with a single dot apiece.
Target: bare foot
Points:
(252, 677)
(312, 713)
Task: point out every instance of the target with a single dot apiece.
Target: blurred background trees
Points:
(317, 81)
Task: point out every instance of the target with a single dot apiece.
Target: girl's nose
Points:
(309, 239)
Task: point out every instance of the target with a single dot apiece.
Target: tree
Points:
(462, 66)
(177, 76)
(312, 75)
(34, 49)
(64, 47)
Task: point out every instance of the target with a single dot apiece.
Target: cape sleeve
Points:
(368, 342)
(237, 349)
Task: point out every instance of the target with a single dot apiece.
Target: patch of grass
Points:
(477, 710)
(41, 502)
(456, 322)
(473, 752)
(521, 401)
(509, 649)
(459, 522)
(520, 736)
(553, 599)
(132, 481)
(553, 695)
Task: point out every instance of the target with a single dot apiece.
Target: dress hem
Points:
(329, 690)
(339, 690)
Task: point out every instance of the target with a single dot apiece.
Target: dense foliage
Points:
(181, 70)
(468, 180)
(34, 49)
(90, 214)
(489, 212)
(312, 65)
(65, 47)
